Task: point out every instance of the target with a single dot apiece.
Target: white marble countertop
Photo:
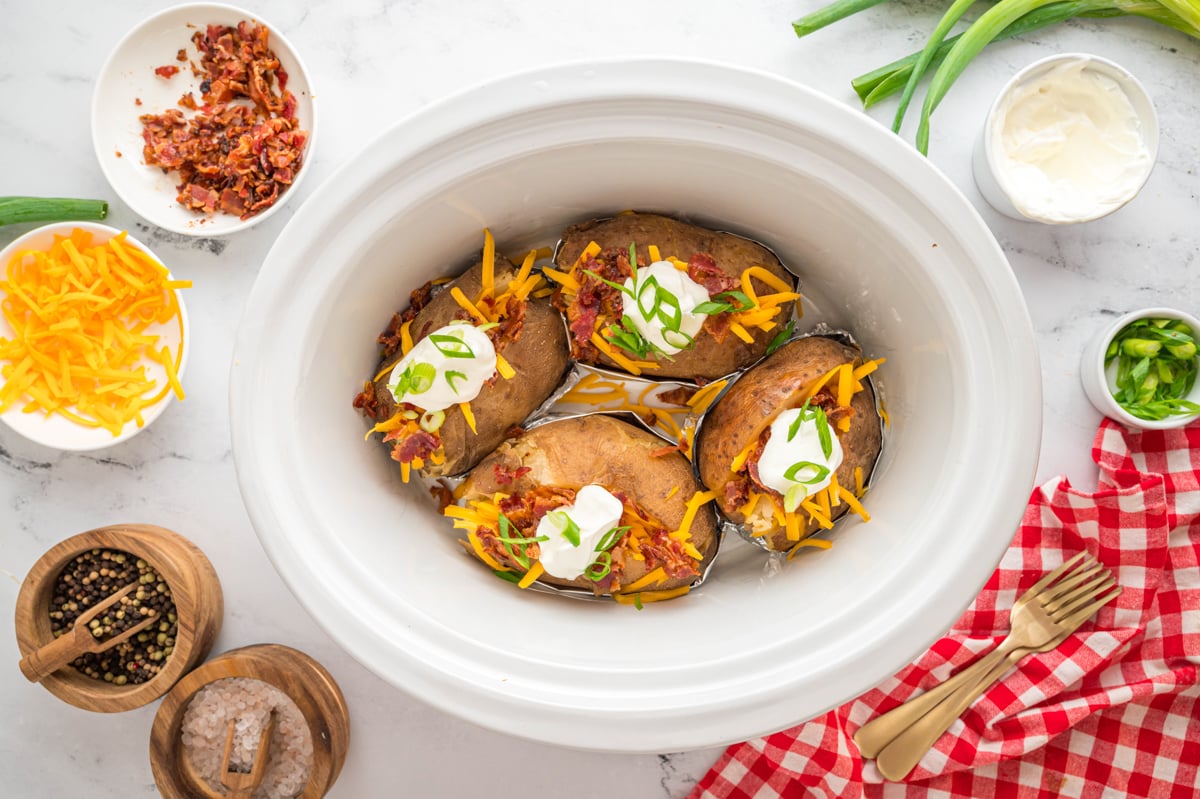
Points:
(373, 63)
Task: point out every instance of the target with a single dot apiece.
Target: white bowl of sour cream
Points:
(1070, 138)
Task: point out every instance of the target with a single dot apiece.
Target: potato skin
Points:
(599, 449)
(740, 416)
(709, 359)
(540, 357)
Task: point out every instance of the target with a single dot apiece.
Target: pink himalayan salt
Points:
(248, 703)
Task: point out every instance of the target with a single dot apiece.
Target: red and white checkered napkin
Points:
(1113, 711)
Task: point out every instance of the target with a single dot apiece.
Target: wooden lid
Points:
(303, 679)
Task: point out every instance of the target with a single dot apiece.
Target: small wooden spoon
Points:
(242, 785)
(44, 661)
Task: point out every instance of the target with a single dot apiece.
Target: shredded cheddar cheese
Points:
(655, 255)
(535, 571)
(816, 543)
(469, 415)
(80, 314)
(504, 368)
(627, 598)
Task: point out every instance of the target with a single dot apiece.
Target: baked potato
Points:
(810, 379)
(702, 304)
(525, 332)
(656, 540)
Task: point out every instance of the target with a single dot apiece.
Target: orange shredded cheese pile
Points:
(80, 313)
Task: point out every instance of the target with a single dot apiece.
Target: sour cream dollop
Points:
(780, 455)
(595, 512)
(649, 305)
(1072, 146)
(447, 367)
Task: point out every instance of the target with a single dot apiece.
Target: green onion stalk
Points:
(1005, 19)
(14, 210)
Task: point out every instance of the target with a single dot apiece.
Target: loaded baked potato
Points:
(789, 447)
(590, 502)
(462, 366)
(701, 304)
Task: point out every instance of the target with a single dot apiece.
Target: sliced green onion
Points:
(609, 283)
(486, 326)
(611, 538)
(633, 255)
(793, 472)
(794, 496)
(566, 526)
(782, 336)
(420, 377)
(431, 421)
(637, 600)
(1156, 368)
(451, 376)
(599, 568)
(511, 577)
(451, 346)
(824, 434)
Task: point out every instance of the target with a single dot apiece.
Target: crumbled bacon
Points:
(505, 475)
(367, 402)
(595, 299)
(231, 156)
(677, 396)
(167, 72)
(704, 270)
(442, 495)
(737, 491)
(752, 463)
(662, 550)
(418, 444)
(181, 56)
(512, 322)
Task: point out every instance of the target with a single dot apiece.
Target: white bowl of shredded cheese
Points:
(886, 246)
(94, 338)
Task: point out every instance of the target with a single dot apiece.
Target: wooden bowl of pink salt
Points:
(245, 688)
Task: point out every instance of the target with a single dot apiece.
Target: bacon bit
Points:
(181, 56)
(737, 492)
(233, 158)
(677, 396)
(442, 495)
(367, 402)
(510, 327)
(418, 445)
(717, 326)
(595, 299)
(167, 72)
(667, 450)
(704, 270)
(505, 475)
(137, 100)
(118, 153)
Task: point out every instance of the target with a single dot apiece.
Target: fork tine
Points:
(1086, 571)
(1037, 587)
(1078, 599)
(1059, 598)
(1076, 619)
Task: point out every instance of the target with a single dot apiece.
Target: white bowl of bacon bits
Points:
(203, 119)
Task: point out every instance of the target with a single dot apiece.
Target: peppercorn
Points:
(92, 577)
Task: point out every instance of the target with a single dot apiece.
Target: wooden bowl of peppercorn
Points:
(176, 584)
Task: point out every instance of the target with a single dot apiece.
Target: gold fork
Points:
(1056, 611)
(1024, 618)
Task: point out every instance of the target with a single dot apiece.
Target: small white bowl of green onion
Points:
(1141, 371)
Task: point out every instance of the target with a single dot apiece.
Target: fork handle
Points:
(906, 750)
(873, 736)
